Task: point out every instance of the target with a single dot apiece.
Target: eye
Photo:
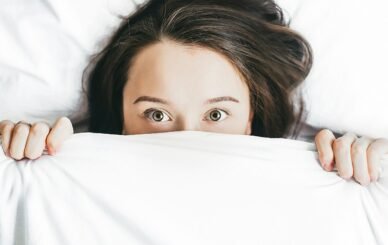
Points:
(156, 115)
(217, 114)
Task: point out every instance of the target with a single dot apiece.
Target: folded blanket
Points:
(186, 187)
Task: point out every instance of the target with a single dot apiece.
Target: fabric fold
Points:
(186, 187)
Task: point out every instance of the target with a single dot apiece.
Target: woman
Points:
(222, 66)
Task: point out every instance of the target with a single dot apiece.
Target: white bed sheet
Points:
(186, 187)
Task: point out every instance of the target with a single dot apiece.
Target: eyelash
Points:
(147, 112)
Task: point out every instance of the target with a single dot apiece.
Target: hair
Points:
(252, 34)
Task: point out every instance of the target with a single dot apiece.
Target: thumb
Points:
(62, 130)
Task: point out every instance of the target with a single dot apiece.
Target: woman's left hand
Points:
(353, 156)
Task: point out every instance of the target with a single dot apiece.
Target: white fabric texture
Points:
(45, 46)
(347, 89)
(186, 187)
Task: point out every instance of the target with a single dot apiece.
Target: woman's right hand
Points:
(23, 140)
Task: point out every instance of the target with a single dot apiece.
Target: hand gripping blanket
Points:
(186, 187)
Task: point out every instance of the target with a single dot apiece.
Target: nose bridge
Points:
(189, 124)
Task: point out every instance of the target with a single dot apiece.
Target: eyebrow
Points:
(165, 102)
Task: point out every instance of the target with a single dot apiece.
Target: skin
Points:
(183, 79)
(352, 156)
(186, 77)
(23, 140)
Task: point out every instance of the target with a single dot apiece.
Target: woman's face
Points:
(173, 87)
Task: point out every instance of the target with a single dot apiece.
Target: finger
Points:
(342, 157)
(374, 153)
(36, 140)
(6, 128)
(59, 133)
(359, 160)
(324, 141)
(19, 140)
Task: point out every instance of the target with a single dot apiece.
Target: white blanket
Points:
(186, 187)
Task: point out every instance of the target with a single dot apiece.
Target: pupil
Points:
(215, 115)
(158, 116)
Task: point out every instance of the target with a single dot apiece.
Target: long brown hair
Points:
(252, 34)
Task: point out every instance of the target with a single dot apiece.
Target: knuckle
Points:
(372, 150)
(357, 149)
(339, 141)
(6, 122)
(65, 124)
(39, 128)
(323, 133)
(8, 127)
(21, 129)
(64, 121)
(339, 145)
(318, 136)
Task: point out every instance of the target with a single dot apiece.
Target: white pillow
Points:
(45, 45)
(347, 89)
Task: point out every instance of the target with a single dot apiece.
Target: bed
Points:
(189, 187)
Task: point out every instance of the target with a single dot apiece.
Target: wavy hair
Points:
(253, 34)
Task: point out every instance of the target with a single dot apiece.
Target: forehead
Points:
(171, 69)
